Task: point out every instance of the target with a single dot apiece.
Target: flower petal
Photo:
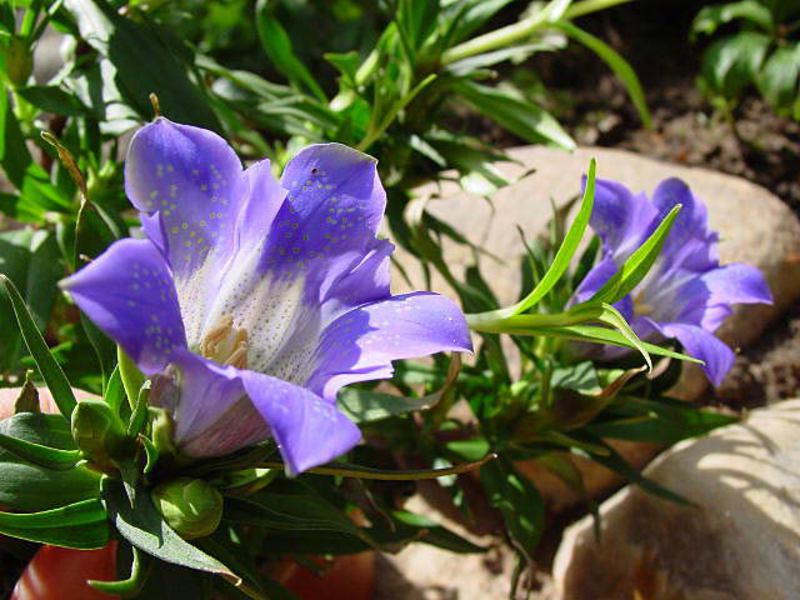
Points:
(621, 219)
(209, 407)
(194, 180)
(365, 340)
(367, 281)
(706, 300)
(218, 410)
(265, 196)
(737, 284)
(690, 244)
(321, 250)
(128, 293)
(335, 205)
(309, 431)
(705, 346)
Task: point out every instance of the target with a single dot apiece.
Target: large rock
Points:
(741, 541)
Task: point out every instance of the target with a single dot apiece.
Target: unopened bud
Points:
(98, 432)
(192, 507)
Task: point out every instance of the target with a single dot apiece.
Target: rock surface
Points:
(422, 572)
(741, 541)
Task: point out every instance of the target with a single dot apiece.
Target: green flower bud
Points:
(98, 432)
(19, 61)
(163, 431)
(190, 506)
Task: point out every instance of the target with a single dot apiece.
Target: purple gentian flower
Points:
(253, 302)
(687, 294)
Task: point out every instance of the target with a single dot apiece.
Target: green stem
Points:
(499, 38)
(511, 34)
(359, 472)
(505, 321)
(586, 7)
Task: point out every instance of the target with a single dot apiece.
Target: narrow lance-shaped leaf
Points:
(638, 264)
(144, 528)
(616, 63)
(611, 316)
(82, 525)
(278, 47)
(54, 377)
(38, 454)
(133, 584)
(568, 247)
(524, 118)
(597, 335)
(489, 321)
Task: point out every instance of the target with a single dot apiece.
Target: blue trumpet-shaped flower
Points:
(253, 301)
(687, 294)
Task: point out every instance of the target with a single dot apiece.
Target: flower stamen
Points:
(226, 344)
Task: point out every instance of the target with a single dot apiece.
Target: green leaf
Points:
(31, 260)
(416, 21)
(81, 525)
(711, 17)
(37, 454)
(27, 487)
(38, 193)
(468, 16)
(638, 264)
(436, 534)
(567, 249)
(731, 64)
(133, 49)
(621, 68)
(778, 79)
(658, 421)
(50, 370)
(278, 46)
(519, 502)
(132, 585)
(298, 509)
(599, 335)
(54, 100)
(363, 406)
(132, 377)
(612, 460)
(525, 119)
(376, 128)
(611, 316)
(114, 394)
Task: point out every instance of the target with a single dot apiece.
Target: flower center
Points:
(640, 305)
(226, 344)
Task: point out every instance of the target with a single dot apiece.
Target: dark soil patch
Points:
(752, 143)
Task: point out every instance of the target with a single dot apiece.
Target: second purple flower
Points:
(687, 294)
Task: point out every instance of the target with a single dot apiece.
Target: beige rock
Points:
(741, 541)
(422, 572)
(597, 479)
